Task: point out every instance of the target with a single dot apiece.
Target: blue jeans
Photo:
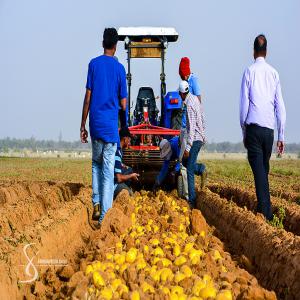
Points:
(103, 161)
(193, 168)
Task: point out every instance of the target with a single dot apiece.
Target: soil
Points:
(55, 218)
(271, 254)
(247, 198)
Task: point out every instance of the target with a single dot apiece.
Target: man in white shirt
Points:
(260, 103)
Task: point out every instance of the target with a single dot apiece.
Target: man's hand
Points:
(85, 111)
(186, 154)
(280, 147)
(135, 176)
(83, 135)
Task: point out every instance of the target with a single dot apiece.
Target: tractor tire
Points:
(180, 187)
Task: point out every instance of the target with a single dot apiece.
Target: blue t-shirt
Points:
(107, 81)
(194, 85)
(175, 155)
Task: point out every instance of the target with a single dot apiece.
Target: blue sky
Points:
(46, 46)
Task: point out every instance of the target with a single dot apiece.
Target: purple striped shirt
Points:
(195, 120)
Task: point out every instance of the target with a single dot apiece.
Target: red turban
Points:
(184, 67)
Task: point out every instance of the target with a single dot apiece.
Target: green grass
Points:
(284, 174)
(278, 218)
(46, 169)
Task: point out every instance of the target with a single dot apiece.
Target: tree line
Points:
(33, 144)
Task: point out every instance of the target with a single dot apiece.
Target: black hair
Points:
(124, 132)
(110, 38)
(260, 44)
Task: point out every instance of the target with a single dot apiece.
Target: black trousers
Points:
(259, 143)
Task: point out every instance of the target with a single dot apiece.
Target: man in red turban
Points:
(185, 74)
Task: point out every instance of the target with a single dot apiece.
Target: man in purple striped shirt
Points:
(260, 103)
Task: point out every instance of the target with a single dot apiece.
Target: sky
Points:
(46, 45)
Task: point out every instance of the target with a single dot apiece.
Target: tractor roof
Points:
(137, 33)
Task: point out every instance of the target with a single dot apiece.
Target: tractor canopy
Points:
(157, 34)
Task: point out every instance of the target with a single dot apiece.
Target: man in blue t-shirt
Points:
(170, 151)
(124, 175)
(106, 90)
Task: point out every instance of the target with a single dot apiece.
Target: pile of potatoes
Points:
(158, 256)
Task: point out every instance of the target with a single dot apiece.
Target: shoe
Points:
(96, 212)
(97, 226)
(203, 179)
(192, 205)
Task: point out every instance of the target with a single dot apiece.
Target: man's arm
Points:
(163, 173)
(244, 102)
(123, 97)
(123, 178)
(280, 116)
(85, 112)
(196, 87)
(123, 103)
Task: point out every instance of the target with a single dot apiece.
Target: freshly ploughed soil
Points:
(158, 236)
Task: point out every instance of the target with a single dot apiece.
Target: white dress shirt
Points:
(261, 99)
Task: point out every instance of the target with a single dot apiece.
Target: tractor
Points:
(146, 125)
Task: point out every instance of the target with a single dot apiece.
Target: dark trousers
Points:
(259, 143)
(193, 168)
(120, 187)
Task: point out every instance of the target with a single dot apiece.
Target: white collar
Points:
(260, 59)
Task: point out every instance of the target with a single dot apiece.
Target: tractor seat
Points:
(146, 98)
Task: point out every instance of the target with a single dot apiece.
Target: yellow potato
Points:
(122, 289)
(188, 247)
(176, 290)
(208, 292)
(89, 269)
(158, 252)
(224, 295)
(180, 261)
(166, 274)
(131, 255)
(116, 283)
(135, 295)
(186, 270)
(106, 293)
(98, 280)
(141, 264)
(146, 287)
(179, 277)
(166, 262)
(217, 255)
(176, 250)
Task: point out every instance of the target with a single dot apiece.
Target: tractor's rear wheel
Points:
(180, 187)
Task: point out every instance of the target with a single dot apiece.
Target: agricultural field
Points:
(149, 246)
